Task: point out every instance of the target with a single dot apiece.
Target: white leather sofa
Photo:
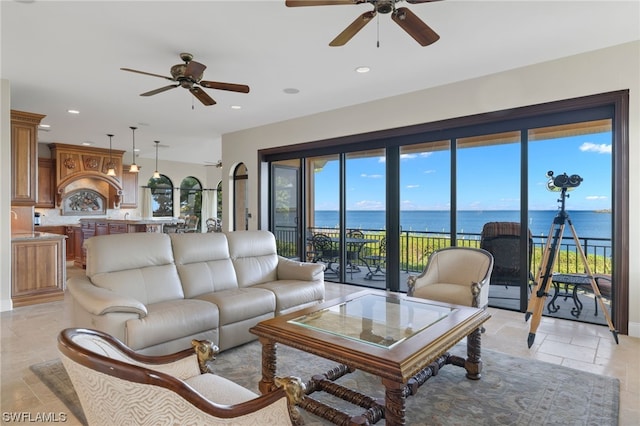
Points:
(157, 292)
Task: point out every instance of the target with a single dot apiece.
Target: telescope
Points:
(562, 182)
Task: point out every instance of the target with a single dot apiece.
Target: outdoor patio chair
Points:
(116, 385)
(457, 275)
(376, 260)
(325, 251)
(502, 240)
(353, 250)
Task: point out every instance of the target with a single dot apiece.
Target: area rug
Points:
(512, 391)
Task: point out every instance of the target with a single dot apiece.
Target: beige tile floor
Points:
(28, 336)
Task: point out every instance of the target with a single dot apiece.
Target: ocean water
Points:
(588, 224)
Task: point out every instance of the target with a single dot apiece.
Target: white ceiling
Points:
(60, 55)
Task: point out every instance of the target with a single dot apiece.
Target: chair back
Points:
(323, 246)
(459, 265)
(502, 240)
(118, 386)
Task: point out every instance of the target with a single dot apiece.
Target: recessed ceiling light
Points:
(291, 91)
(236, 107)
(362, 70)
(73, 111)
(87, 143)
(45, 126)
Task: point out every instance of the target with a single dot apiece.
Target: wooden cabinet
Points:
(129, 189)
(46, 183)
(67, 230)
(38, 270)
(117, 228)
(24, 156)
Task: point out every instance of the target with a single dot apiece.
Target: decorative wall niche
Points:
(83, 202)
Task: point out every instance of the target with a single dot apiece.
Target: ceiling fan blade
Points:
(353, 29)
(225, 86)
(202, 96)
(194, 70)
(148, 73)
(419, 1)
(297, 3)
(414, 26)
(160, 90)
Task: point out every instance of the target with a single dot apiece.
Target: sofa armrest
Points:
(304, 271)
(100, 301)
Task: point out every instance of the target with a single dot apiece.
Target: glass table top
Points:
(375, 319)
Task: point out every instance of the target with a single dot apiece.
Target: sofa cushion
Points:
(203, 263)
(145, 270)
(171, 320)
(254, 256)
(290, 293)
(241, 303)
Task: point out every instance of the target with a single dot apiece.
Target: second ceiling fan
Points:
(402, 16)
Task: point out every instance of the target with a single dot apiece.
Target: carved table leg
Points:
(473, 363)
(267, 383)
(395, 403)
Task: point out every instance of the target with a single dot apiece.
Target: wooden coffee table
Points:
(403, 340)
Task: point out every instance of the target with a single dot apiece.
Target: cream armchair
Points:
(118, 386)
(457, 275)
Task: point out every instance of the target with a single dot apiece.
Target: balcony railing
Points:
(415, 248)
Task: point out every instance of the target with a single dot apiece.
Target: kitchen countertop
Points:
(24, 236)
(140, 221)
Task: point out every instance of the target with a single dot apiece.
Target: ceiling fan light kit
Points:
(189, 76)
(402, 16)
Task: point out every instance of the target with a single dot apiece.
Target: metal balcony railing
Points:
(415, 248)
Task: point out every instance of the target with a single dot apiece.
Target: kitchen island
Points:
(38, 269)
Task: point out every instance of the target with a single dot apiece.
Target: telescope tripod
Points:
(549, 258)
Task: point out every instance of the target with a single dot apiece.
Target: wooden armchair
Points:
(117, 385)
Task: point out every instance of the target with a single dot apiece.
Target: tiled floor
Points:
(29, 337)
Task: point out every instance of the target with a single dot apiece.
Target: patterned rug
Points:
(512, 391)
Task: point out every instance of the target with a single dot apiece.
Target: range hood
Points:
(81, 180)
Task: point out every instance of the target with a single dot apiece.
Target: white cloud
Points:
(413, 186)
(364, 175)
(369, 205)
(596, 197)
(598, 148)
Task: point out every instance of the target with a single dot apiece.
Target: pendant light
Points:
(134, 167)
(156, 174)
(111, 171)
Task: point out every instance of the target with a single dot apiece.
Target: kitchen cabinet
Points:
(69, 231)
(129, 189)
(46, 183)
(24, 157)
(38, 269)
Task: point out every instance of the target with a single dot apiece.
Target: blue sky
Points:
(488, 177)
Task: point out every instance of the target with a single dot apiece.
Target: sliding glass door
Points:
(385, 204)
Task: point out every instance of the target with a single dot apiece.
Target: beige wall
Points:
(5, 196)
(606, 70)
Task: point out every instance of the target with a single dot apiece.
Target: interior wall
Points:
(605, 70)
(5, 196)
